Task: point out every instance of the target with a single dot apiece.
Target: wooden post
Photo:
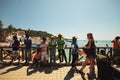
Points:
(111, 53)
(105, 49)
(98, 50)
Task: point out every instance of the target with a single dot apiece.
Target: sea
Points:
(98, 43)
(81, 43)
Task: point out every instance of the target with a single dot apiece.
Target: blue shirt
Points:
(28, 44)
(75, 46)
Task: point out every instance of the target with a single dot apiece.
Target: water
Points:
(81, 43)
(35, 44)
(99, 43)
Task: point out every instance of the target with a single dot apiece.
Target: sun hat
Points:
(59, 34)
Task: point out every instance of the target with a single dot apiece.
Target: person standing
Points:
(116, 49)
(116, 46)
(15, 52)
(61, 51)
(74, 47)
(52, 47)
(44, 51)
(28, 45)
(90, 50)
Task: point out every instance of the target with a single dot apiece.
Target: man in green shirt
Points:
(61, 51)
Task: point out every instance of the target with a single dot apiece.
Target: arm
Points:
(47, 50)
(63, 42)
(89, 45)
(72, 46)
(30, 43)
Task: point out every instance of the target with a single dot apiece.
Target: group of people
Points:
(47, 49)
(90, 51)
(16, 52)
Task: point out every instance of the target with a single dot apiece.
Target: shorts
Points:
(15, 53)
(44, 56)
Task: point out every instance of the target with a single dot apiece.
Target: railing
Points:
(3, 49)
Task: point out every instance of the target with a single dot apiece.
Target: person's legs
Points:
(18, 55)
(75, 57)
(51, 57)
(35, 62)
(54, 55)
(115, 52)
(63, 53)
(29, 55)
(42, 57)
(73, 60)
(92, 64)
(59, 52)
(26, 58)
(46, 58)
(13, 56)
(84, 64)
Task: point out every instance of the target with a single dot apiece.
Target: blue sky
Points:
(68, 17)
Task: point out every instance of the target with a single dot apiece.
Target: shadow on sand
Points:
(14, 68)
(46, 69)
(71, 74)
(75, 70)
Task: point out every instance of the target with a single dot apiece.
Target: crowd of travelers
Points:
(46, 51)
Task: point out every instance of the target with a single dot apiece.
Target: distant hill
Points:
(32, 33)
(4, 32)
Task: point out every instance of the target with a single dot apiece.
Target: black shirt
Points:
(15, 45)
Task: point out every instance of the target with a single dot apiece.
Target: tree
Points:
(10, 27)
(19, 29)
(2, 37)
(1, 25)
(1, 28)
(28, 32)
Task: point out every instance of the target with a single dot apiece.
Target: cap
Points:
(52, 37)
(59, 34)
(74, 37)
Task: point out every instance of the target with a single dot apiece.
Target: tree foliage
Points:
(1, 25)
(2, 38)
(11, 28)
(33, 33)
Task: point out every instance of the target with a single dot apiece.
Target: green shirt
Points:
(52, 44)
(60, 43)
